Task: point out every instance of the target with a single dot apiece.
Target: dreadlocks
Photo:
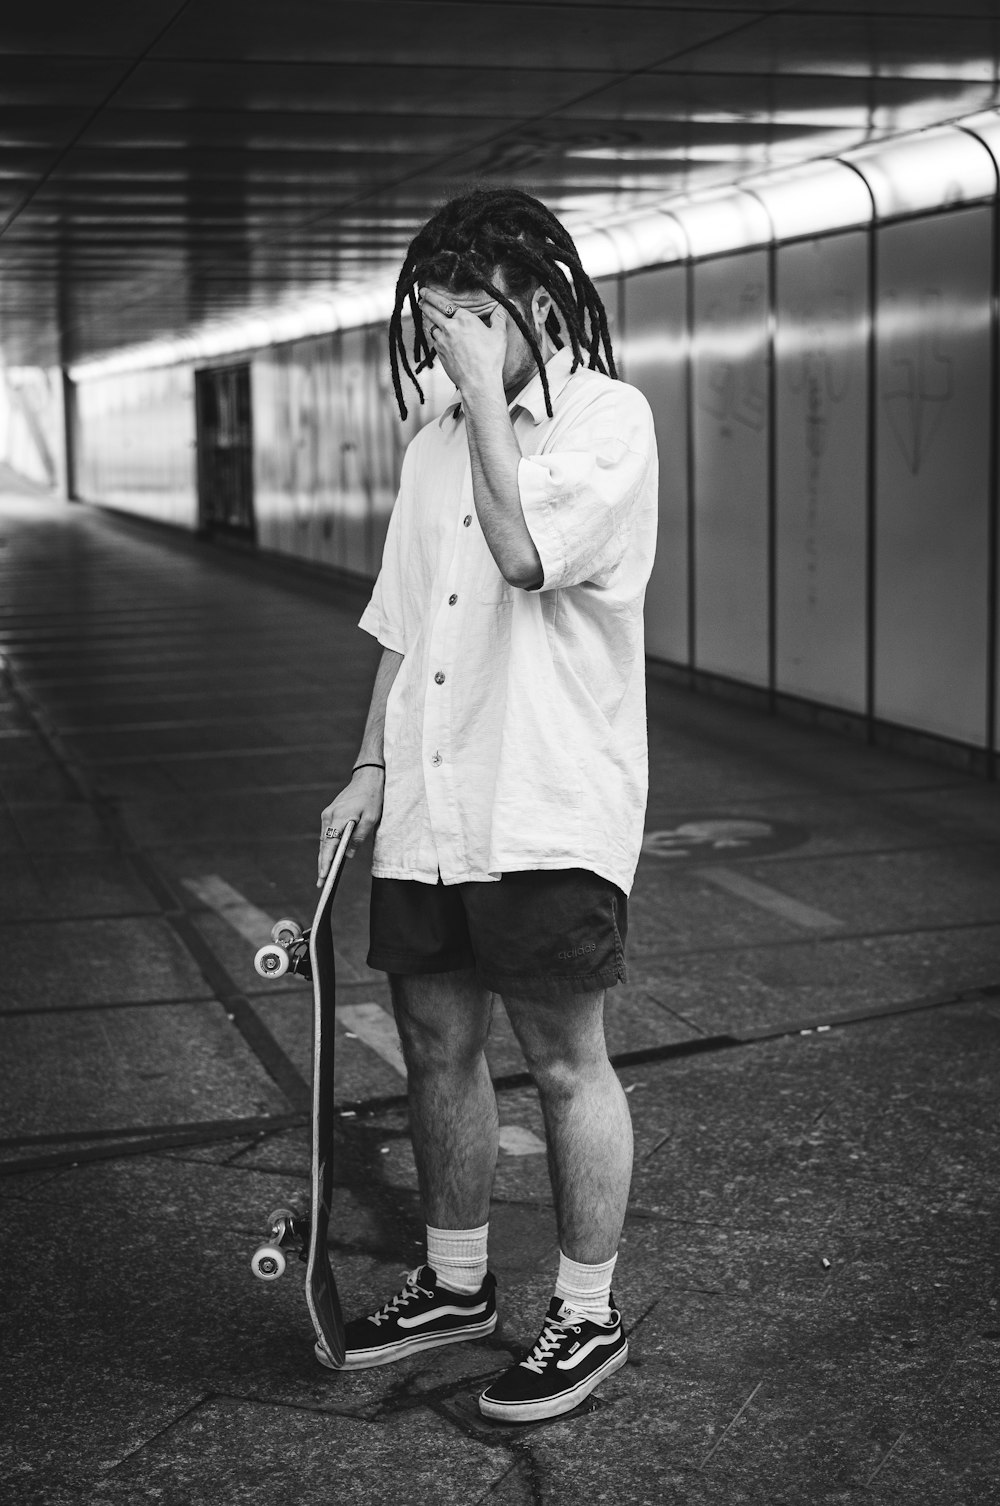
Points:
(464, 244)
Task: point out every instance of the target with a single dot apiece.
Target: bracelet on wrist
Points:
(358, 766)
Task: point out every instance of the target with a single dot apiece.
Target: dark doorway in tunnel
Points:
(225, 451)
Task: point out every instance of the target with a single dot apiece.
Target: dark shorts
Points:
(542, 932)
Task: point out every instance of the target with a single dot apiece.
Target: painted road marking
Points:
(371, 1024)
(248, 920)
(766, 898)
(376, 1027)
(518, 1141)
(252, 923)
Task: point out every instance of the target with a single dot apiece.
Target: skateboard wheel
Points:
(268, 1263)
(271, 961)
(286, 931)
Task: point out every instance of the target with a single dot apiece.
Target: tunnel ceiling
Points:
(164, 164)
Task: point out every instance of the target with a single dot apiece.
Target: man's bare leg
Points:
(444, 1021)
(587, 1121)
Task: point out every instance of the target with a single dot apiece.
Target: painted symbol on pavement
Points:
(722, 839)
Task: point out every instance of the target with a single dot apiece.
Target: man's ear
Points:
(541, 305)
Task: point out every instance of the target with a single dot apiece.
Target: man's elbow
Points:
(527, 579)
(529, 572)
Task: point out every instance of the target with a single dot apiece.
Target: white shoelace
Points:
(552, 1336)
(410, 1290)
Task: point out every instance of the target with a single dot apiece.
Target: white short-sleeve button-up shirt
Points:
(515, 730)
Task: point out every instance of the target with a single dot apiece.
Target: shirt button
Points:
(439, 678)
(437, 759)
(467, 519)
(452, 600)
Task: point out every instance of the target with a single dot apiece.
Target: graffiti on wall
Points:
(820, 376)
(733, 385)
(918, 378)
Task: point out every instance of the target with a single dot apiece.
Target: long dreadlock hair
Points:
(461, 248)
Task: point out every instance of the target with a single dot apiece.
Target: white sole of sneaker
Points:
(368, 1359)
(552, 1406)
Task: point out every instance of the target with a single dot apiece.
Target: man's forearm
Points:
(373, 743)
(495, 456)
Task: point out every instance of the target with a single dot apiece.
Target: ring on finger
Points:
(449, 311)
(330, 833)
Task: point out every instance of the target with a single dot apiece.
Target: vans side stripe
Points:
(442, 1312)
(599, 1341)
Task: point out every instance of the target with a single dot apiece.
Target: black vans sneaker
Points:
(419, 1317)
(572, 1356)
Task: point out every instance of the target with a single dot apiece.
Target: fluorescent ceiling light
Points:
(924, 170)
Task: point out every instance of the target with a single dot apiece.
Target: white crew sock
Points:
(586, 1288)
(459, 1257)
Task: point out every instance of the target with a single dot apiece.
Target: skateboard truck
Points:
(289, 1234)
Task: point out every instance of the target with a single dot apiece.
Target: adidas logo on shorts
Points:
(577, 951)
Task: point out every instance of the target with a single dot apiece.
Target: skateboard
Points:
(304, 1226)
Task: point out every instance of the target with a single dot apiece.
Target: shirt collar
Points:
(532, 395)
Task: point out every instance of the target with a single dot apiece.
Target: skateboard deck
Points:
(311, 955)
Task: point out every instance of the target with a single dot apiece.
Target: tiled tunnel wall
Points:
(826, 417)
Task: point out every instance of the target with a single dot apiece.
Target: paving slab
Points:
(209, 737)
(756, 756)
(276, 769)
(67, 827)
(804, 983)
(667, 910)
(112, 709)
(41, 886)
(22, 752)
(106, 1069)
(892, 890)
(225, 816)
(100, 961)
(34, 776)
(283, 1451)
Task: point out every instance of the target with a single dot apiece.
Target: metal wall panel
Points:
(389, 436)
(730, 466)
(610, 292)
(296, 455)
(355, 451)
(933, 473)
(821, 351)
(654, 359)
(264, 401)
(135, 438)
(328, 446)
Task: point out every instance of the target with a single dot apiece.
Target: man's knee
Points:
(561, 1078)
(443, 1020)
(563, 1043)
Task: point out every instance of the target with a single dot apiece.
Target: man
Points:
(504, 765)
